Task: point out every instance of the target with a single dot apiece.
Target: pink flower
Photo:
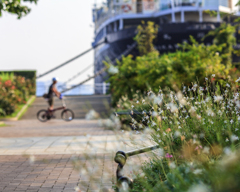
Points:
(168, 156)
(198, 147)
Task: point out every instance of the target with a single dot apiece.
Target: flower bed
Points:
(197, 130)
(14, 92)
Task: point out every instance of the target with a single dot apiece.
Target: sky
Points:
(53, 32)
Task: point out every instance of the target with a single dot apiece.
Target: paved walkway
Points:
(58, 155)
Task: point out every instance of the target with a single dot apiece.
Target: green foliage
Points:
(171, 70)
(27, 74)
(15, 7)
(145, 36)
(224, 37)
(6, 76)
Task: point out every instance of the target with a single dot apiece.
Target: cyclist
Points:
(53, 91)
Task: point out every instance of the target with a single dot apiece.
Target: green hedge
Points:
(15, 89)
(27, 74)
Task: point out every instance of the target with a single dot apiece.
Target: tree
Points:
(145, 36)
(224, 37)
(15, 7)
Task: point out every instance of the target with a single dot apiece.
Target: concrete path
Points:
(58, 155)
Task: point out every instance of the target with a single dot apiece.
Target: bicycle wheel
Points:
(67, 115)
(43, 115)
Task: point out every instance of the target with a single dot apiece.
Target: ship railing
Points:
(128, 9)
(146, 7)
(168, 4)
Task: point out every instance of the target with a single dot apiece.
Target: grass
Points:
(25, 110)
(4, 125)
(19, 108)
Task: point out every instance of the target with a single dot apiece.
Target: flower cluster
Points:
(14, 91)
(197, 130)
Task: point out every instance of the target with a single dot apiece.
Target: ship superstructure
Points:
(116, 22)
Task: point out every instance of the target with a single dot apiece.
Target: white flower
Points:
(157, 100)
(179, 127)
(206, 78)
(153, 123)
(172, 165)
(238, 80)
(173, 108)
(220, 112)
(112, 70)
(137, 102)
(143, 101)
(77, 189)
(217, 53)
(231, 121)
(149, 93)
(91, 115)
(227, 140)
(177, 134)
(206, 150)
(197, 171)
(218, 98)
(234, 138)
(213, 75)
(198, 188)
(227, 85)
(132, 106)
(154, 114)
(208, 99)
(160, 151)
(192, 109)
(227, 151)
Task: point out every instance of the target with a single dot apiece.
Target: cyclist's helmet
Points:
(54, 79)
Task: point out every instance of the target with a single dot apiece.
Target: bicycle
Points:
(45, 115)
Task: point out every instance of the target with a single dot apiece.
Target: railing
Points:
(125, 183)
(81, 90)
(154, 6)
(127, 8)
(169, 4)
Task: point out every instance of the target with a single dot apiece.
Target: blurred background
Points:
(53, 32)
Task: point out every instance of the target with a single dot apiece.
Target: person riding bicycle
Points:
(53, 91)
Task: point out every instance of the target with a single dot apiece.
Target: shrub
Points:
(14, 90)
(171, 70)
